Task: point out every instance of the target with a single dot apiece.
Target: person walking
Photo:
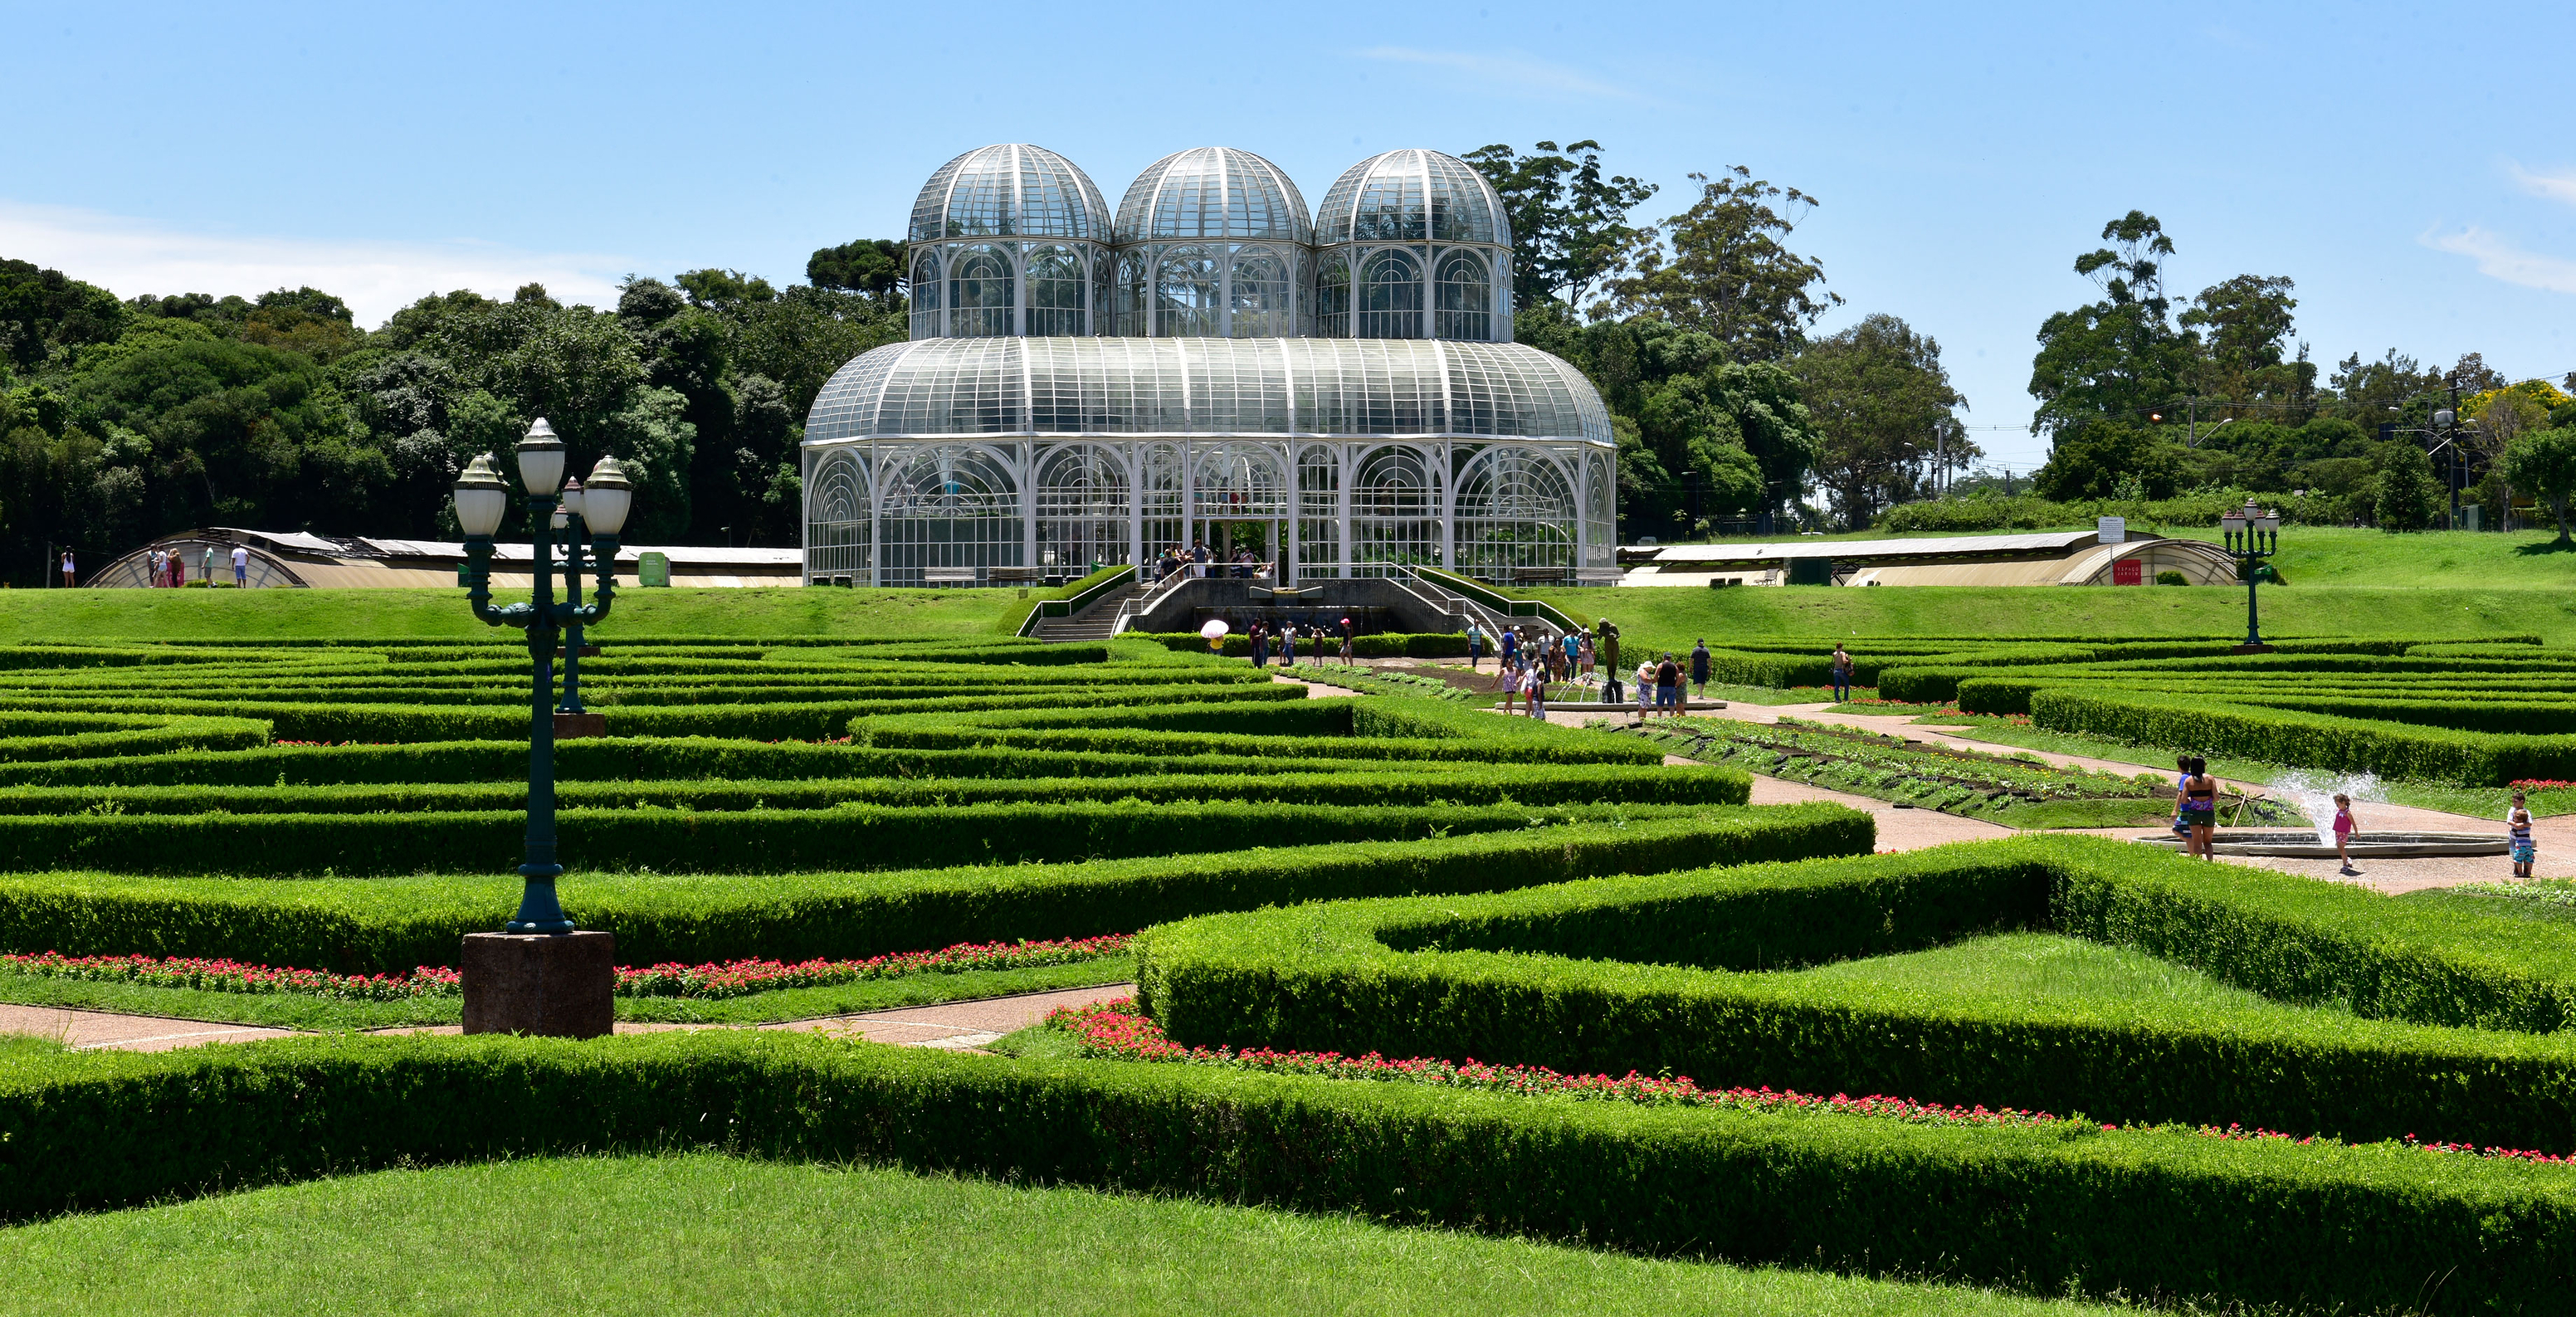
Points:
(1842, 674)
(1609, 645)
(1699, 667)
(67, 569)
(1668, 685)
(153, 568)
(2343, 832)
(1475, 647)
(1583, 657)
(1349, 651)
(206, 569)
(2517, 830)
(1645, 688)
(1260, 645)
(1538, 695)
(2200, 809)
(1508, 675)
(1573, 644)
(241, 567)
(2182, 778)
(1511, 640)
(1288, 645)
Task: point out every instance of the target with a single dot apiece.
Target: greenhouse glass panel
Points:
(925, 295)
(837, 511)
(1466, 298)
(1332, 296)
(1390, 296)
(980, 293)
(1516, 508)
(947, 506)
(1161, 497)
(1082, 507)
(1260, 303)
(1057, 289)
(1186, 293)
(1395, 512)
(1319, 513)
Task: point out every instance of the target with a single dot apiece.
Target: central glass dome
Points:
(1008, 239)
(1413, 244)
(1213, 242)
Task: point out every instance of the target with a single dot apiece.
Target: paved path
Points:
(955, 1025)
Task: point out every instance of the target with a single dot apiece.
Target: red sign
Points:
(2128, 571)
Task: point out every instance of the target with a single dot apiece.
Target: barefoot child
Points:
(2517, 826)
(2343, 830)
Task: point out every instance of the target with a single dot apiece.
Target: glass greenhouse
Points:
(1337, 392)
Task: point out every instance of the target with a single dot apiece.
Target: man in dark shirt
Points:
(1610, 669)
(1668, 684)
(1699, 668)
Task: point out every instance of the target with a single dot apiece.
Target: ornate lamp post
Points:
(2251, 535)
(533, 988)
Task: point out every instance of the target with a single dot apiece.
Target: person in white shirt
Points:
(241, 566)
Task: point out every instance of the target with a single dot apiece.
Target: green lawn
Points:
(708, 1234)
(33, 615)
(2352, 556)
(2027, 969)
(287, 1010)
(1661, 618)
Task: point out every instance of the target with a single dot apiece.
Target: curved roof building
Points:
(1336, 391)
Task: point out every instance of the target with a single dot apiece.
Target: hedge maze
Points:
(2062, 1064)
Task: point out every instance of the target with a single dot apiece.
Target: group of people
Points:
(2196, 819)
(169, 567)
(1199, 560)
(1285, 636)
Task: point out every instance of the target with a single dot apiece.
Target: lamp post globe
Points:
(482, 499)
(608, 498)
(541, 460)
(570, 501)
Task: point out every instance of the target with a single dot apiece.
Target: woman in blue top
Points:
(2200, 809)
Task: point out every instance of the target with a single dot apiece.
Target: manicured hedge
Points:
(47, 737)
(389, 925)
(850, 836)
(2314, 740)
(1586, 977)
(2054, 1208)
(1376, 784)
(1386, 644)
(1356, 729)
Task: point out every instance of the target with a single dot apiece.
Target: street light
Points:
(2251, 535)
(481, 499)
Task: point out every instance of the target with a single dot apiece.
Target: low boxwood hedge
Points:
(2461, 1031)
(2052, 1208)
(2312, 740)
(389, 925)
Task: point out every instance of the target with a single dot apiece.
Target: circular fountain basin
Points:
(2374, 845)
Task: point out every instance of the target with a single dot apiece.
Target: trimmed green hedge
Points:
(1385, 644)
(1301, 729)
(46, 737)
(846, 837)
(1590, 977)
(2314, 740)
(389, 925)
(1376, 784)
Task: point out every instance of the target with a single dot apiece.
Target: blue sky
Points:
(2410, 166)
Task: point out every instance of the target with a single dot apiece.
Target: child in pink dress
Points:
(2343, 831)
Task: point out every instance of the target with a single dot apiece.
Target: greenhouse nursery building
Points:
(1338, 393)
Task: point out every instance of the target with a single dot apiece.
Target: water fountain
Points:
(2313, 794)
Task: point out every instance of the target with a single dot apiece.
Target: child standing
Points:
(2343, 831)
(2517, 827)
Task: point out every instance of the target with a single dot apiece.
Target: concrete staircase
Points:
(1092, 623)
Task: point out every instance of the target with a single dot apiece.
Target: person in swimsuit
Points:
(2517, 828)
(2182, 776)
(2200, 808)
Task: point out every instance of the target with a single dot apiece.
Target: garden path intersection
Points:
(1146, 919)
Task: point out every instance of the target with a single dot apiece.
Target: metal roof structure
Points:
(2044, 558)
(297, 559)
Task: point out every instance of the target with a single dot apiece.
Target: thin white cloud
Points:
(2499, 258)
(132, 257)
(2556, 187)
(1513, 69)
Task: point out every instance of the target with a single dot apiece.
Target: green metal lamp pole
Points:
(2251, 535)
(482, 498)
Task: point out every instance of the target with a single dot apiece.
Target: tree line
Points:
(125, 419)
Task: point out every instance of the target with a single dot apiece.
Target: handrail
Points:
(1150, 600)
(1499, 602)
(1111, 581)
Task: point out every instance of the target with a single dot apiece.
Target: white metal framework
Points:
(1008, 239)
(1413, 244)
(933, 460)
(1213, 242)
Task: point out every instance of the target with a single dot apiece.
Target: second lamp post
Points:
(2251, 535)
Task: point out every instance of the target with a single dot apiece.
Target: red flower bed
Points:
(2541, 784)
(710, 981)
(1114, 1030)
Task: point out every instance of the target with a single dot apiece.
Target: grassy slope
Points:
(708, 1234)
(287, 1010)
(2025, 969)
(766, 611)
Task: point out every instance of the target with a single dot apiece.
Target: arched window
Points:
(1466, 293)
(1058, 292)
(1128, 309)
(837, 509)
(1246, 481)
(947, 505)
(1260, 295)
(925, 295)
(1332, 296)
(1395, 512)
(1390, 296)
(1185, 293)
(1516, 508)
(980, 295)
(1319, 511)
(1082, 507)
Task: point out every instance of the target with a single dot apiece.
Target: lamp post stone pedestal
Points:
(558, 985)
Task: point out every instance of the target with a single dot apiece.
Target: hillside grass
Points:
(700, 1234)
(42, 615)
(1671, 617)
